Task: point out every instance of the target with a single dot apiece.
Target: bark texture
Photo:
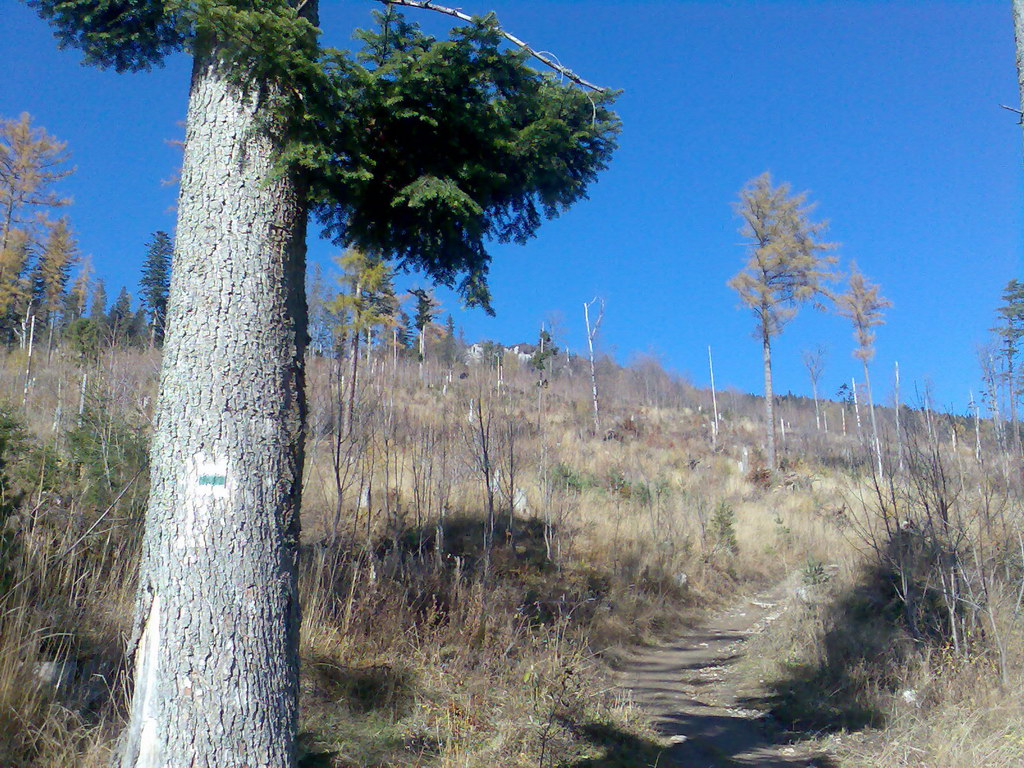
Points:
(216, 663)
(1018, 34)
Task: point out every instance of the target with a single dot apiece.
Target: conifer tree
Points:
(120, 317)
(76, 301)
(14, 290)
(83, 338)
(320, 316)
(31, 163)
(450, 343)
(140, 331)
(403, 329)
(420, 149)
(863, 306)
(427, 309)
(155, 284)
(384, 303)
(1009, 330)
(364, 306)
(546, 349)
(98, 303)
(787, 265)
(51, 273)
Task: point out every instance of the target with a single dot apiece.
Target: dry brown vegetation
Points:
(475, 557)
(909, 651)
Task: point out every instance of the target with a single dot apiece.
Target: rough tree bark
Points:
(217, 616)
(1018, 35)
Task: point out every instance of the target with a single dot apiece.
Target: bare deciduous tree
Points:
(591, 335)
(814, 361)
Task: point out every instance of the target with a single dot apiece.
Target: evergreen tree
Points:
(51, 273)
(427, 309)
(1009, 330)
(420, 149)
(83, 337)
(321, 320)
(405, 330)
(76, 300)
(546, 349)
(155, 284)
(120, 317)
(449, 343)
(409, 331)
(140, 331)
(98, 305)
(384, 304)
(786, 266)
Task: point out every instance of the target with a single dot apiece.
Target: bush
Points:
(723, 523)
(564, 476)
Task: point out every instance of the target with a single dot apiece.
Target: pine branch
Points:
(567, 73)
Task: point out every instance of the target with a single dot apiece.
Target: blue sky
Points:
(888, 112)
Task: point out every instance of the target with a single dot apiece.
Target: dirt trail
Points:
(690, 687)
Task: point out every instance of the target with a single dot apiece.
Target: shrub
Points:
(564, 476)
(723, 523)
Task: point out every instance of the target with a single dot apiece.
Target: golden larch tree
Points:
(787, 265)
(863, 305)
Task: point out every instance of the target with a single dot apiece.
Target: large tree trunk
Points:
(217, 618)
(769, 402)
(1018, 34)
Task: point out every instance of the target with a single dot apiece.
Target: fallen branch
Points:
(427, 5)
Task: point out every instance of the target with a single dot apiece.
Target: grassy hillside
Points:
(477, 554)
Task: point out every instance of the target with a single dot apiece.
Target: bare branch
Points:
(427, 5)
(1018, 112)
(592, 334)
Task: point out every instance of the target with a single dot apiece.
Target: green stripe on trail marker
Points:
(213, 480)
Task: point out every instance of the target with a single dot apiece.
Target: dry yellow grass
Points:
(423, 652)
